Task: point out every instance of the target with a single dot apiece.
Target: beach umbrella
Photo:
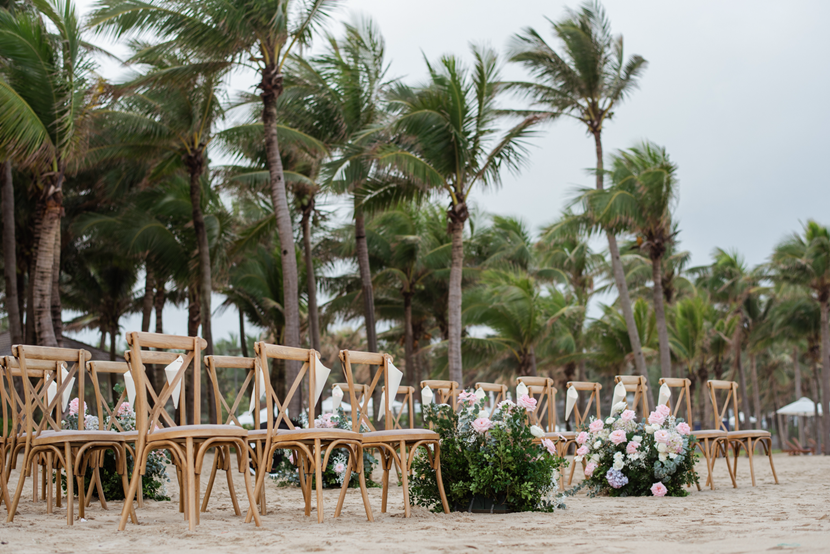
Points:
(801, 407)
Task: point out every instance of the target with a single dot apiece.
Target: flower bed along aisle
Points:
(626, 458)
(488, 465)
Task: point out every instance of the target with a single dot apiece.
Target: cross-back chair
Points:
(158, 430)
(408, 402)
(639, 386)
(749, 440)
(580, 416)
(70, 449)
(314, 445)
(394, 445)
(542, 389)
(5, 436)
(497, 393)
(706, 439)
(446, 392)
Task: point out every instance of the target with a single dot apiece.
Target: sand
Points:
(794, 515)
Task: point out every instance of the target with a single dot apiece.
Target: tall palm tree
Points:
(258, 34)
(451, 143)
(47, 99)
(688, 338)
(804, 260)
(586, 81)
(640, 202)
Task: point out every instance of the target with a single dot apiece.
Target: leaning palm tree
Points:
(47, 99)
(640, 202)
(259, 34)
(450, 142)
(586, 81)
(804, 260)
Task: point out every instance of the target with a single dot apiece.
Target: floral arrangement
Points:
(489, 462)
(335, 472)
(627, 458)
(155, 480)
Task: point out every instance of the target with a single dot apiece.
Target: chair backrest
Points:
(152, 416)
(639, 386)
(252, 367)
(684, 394)
(731, 396)
(45, 364)
(446, 392)
(593, 400)
(96, 370)
(542, 389)
(498, 393)
(380, 377)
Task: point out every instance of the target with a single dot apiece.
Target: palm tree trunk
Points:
(271, 89)
(368, 293)
(798, 393)
(619, 281)
(194, 318)
(10, 255)
(825, 374)
(147, 301)
(243, 340)
(42, 283)
(57, 312)
(660, 316)
(408, 342)
(744, 406)
(756, 393)
(311, 280)
(454, 302)
(29, 328)
(194, 163)
(112, 376)
(817, 425)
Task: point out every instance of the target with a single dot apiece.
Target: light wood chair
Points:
(44, 436)
(496, 392)
(313, 445)
(639, 386)
(580, 417)
(446, 392)
(542, 389)
(738, 439)
(157, 430)
(408, 402)
(6, 435)
(396, 446)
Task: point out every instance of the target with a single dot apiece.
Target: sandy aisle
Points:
(792, 516)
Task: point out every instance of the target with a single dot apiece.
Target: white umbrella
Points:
(801, 407)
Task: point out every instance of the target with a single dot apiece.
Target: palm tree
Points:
(688, 338)
(451, 143)
(804, 260)
(586, 81)
(47, 100)
(640, 202)
(259, 34)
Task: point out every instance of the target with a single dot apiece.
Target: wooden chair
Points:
(446, 392)
(580, 417)
(314, 445)
(5, 437)
(408, 402)
(639, 386)
(738, 439)
(44, 435)
(498, 394)
(157, 430)
(542, 389)
(396, 446)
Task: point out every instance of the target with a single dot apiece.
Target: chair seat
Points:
(709, 433)
(563, 435)
(197, 432)
(748, 434)
(397, 435)
(53, 437)
(129, 436)
(317, 433)
(260, 433)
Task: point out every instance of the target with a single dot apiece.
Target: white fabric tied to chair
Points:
(619, 395)
(427, 396)
(52, 390)
(395, 376)
(321, 375)
(260, 377)
(171, 371)
(336, 397)
(571, 398)
(665, 395)
(129, 384)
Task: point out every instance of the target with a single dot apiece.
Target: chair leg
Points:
(70, 493)
(318, 475)
(386, 462)
(18, 491)
(750, 452)
(227, 456)
(347, 477)
(407, 510)
(131, 493)
(768, 446)
(214, 467)
(191, 485)
(248, 489)
(362, 480)
(49, 487)
(439, 479)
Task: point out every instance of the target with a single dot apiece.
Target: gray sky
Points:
(736, 92)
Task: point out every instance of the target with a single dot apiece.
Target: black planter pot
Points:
(483, 505)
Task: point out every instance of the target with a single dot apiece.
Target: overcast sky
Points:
(736, 91)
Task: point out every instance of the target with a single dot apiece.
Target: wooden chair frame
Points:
(408, 401)
(500, 393)
(546, 403)
(6, 434)
(70, 449)
(313, 445)
(395, 445)
(749, 440)
(187, 444)
(580, 417)
(446, 392)
(639, 386)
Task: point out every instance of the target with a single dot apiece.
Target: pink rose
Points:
(527, 402)
(683, 428)
(662, 436)
(596, 426)
(582, 438)
(466, 397)
(628, 415)
(550, 446)
(482, 424)
(632, 447)
(655, 418)
(618, 436)
(582, 450)
(663, 410)
(589, 469)
(73, 406)
(659, 489)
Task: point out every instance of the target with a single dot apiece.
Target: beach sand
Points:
(792, 516)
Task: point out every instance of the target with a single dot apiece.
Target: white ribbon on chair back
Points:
(129, 384)
(321, 375)
(51, 391)
(336, 397)
(480, 394)
(570, 401)
(619, 394)
(426, 396)
(665, 395)
(395, 375)
(260, 377)
(67, 392)
(171, 371)
(521, 390)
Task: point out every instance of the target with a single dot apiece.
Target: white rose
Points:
(483, 413)
(618, 455)
(661, 447)
(536, 431)
(649, 429)
(594, 459)
(637, 438)
(578, 458)
(672, 455)
(597, 445)
(619, 407)
(619, 464)
(662, 457)
(610, 420)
